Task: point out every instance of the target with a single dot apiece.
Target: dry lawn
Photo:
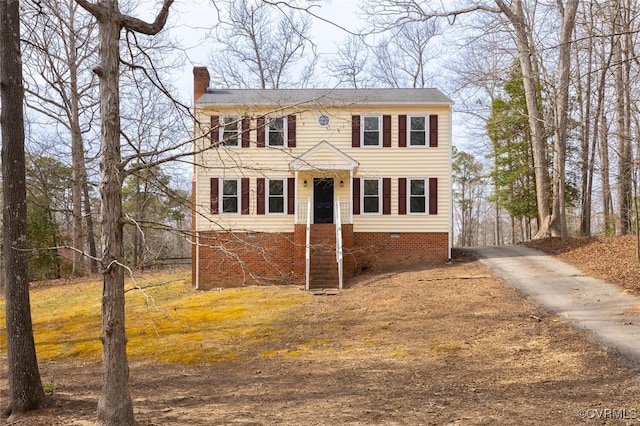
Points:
(442, 345)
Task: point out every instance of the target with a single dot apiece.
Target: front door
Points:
(322, 200)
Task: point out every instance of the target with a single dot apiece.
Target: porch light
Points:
(341, 184)
(304, 183)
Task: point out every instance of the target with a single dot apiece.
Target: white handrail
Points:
(339, 242)
(307, 249)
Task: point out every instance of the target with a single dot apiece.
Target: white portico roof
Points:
(323, 156)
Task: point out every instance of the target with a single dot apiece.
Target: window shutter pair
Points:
(291, 131)
(355, 131)
(433, 196)
(215, 196)
(261, 196)
(433, 131)
(215, 131)
(386, 196)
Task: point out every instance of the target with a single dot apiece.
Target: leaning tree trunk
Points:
(25, 386)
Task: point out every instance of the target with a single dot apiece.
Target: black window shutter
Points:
(260, 132)
(433, 195)
(215, 130)
(356, 196)
(402, 131)
(291, 131)
(291, 195)
(246, 136)
(214, 196)
(244, 188)
(402, 195)
(355, 131)
(260, 195)
(386, 131)
(433, 131)
(386, 195)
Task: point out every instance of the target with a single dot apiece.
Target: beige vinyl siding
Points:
(374, 162)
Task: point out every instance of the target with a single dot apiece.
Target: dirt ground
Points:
(439, 346)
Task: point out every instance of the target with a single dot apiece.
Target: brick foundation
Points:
(386, 250)
(232, 260)
(237, 259)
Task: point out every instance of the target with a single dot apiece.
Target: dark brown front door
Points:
(322, 200)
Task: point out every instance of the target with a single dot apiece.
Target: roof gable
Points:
(323, 156)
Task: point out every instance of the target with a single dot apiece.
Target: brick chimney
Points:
(200, 82)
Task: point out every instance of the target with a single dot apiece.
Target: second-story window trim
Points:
(418, 131)
(230, 131)
(276, 132)
(371, 130)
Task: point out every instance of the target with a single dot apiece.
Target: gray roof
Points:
(324, 97)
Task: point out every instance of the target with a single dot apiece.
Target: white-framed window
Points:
(371, 196)
(276, 196)
(418, 131)
(276, 132)
(230, 196)
(230, 131)
(418, 191)
(371, 130)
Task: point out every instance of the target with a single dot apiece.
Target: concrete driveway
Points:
(602, 310)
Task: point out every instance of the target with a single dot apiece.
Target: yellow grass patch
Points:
(444, 347)
(167, 320)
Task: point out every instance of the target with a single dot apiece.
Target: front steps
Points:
(323, 268)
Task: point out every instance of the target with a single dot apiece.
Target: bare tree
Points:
(61, 47)
(402, 58)
(621, 26)
(349, 66)
(115, 406)
(558, 213)
(551, 222)
(25, 385)
(259, 47)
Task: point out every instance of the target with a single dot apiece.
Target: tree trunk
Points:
(114, 406)
(558, 212)
(584, 103)
(526, 55)
(25, 386)
(622, 110)
(77, 149)
(93, 252)
(77, 158)
(607, 199)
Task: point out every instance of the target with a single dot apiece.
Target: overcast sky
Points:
(190, 23)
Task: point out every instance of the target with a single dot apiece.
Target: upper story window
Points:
(230, 131)
(276, 195)
(371, 134)
(276, 131)
(230, 196)
(418, 131)
(418, 195)
(371, 198)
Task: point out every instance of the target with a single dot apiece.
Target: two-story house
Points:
(311, 186)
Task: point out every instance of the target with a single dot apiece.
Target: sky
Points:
(190, 22)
